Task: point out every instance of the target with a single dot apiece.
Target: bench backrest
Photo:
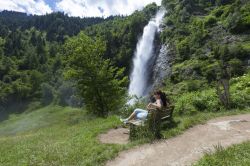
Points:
(167, 112)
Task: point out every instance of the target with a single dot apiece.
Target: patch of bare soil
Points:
(115, 136)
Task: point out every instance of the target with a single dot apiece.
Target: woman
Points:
(160, 101)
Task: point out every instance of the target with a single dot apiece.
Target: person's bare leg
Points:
(132, 116)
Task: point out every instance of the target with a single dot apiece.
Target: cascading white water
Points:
(143, 55)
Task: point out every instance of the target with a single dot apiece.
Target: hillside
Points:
(55, 136)
(209, 43)
(56, 25)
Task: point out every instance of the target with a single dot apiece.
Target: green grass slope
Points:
(55, 136)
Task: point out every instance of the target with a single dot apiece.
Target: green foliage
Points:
(183, 49)
(207, 100)
(47, 94)
(236, 67)
(240, 90)
(238, 18)
(198, 31)
(191, 103)
(204, 47)
(234, 155)
(57, 25)
(210, 21)
(210, 71)
(1, 47)
(23, 66)
(101, 85)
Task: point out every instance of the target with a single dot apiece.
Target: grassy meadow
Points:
(57, 135)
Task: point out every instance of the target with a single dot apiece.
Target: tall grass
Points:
(234, 155)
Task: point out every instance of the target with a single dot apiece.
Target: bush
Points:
(240, 90)
(236, 67)
(238, 51)
(198, 33)
(65, 91)
(47, 94)
(189, 86)
(193, 102)
(218, 12)
(210, 21)
(33, 106)
(183, 105)
(240, 99)
(239, 20)
(194, 85)
(210, 71)
(183, 49)
(207, 101)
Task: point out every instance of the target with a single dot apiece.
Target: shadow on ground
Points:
(170, 124)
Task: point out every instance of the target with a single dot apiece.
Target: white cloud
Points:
(86, 8)
(38, 7)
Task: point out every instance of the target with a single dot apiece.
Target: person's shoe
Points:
(125, 121)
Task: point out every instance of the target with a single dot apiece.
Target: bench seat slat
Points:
(165, 117)
(137, 122)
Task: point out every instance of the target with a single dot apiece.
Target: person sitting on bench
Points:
(141, 114)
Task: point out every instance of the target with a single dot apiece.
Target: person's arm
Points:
(149, 106)
(156, 105)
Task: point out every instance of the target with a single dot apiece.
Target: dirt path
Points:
(190, 146)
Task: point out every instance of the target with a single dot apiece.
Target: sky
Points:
(81, 8)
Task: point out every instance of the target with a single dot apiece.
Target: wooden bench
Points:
(152, 125)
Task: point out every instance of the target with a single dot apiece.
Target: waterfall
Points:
(144, 58)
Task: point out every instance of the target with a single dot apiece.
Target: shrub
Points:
(218, 12)
(207, 101)
(210, 21)
(210, 71)
(240, 99)
(65, 91)
(33, 106)
(239, 21)
(183, 49)
(183, 104)
(198, 32)
(193, 102)
(236, 67)
(240, 90)
(238, 51)
(189, 86)
(47, 94)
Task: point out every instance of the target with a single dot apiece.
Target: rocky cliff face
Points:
(162, 66)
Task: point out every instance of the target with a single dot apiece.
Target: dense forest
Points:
(208, 41)
(32, 51)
